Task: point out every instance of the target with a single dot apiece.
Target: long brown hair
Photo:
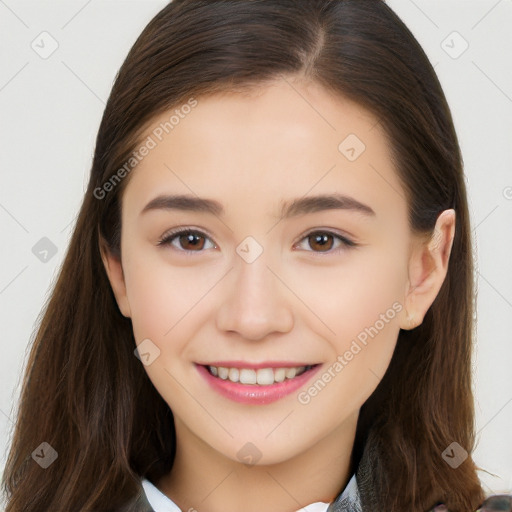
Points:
(87, 395)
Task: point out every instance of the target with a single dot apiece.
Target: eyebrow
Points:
(294, 208)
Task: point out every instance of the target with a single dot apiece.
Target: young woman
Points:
(267, 301)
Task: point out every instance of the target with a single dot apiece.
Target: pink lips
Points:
(253, 393)
(255, 366)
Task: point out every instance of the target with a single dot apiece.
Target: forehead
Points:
(281, 141)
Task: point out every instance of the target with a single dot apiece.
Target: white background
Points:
(50, 111)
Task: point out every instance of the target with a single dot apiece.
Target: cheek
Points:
(352, 295)
(164, 298)
(165, 308)
(370, 326)
(359, 301)
(364, 319)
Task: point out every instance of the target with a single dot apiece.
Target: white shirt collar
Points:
(161, 503)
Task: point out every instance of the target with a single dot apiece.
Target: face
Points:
(269, 281)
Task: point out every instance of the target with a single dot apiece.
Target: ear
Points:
(115, 275)
(428, 266)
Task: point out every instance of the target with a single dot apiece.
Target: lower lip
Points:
(253, 393)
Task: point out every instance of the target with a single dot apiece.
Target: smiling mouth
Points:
(259, 377)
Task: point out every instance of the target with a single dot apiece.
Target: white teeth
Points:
(247, 376)
(279, 374)
(233, 374)
(262, 377)
(290, 373)
(265, 376)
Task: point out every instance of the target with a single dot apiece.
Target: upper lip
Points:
(256, 366)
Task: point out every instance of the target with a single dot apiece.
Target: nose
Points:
(256, 301)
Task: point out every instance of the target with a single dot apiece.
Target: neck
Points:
(204, 480)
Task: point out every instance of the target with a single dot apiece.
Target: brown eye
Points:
(322, 241)
(191, 241)
(186, 240)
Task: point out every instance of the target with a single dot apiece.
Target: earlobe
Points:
(428, 267)
(114, 270)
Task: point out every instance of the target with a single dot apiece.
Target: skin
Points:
(296, 302)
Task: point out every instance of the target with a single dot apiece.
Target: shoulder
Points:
(502, 502)
(499, 502)
(139, 503)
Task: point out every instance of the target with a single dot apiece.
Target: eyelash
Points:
(168, 237)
